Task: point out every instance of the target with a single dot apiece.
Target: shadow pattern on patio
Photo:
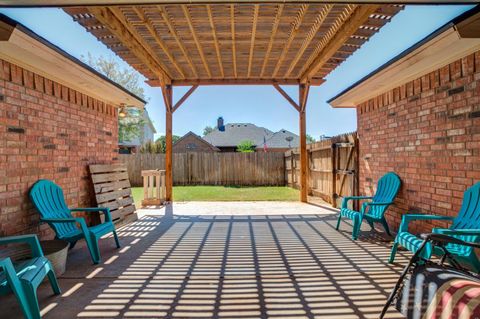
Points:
(275, 266)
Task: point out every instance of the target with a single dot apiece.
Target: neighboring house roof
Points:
(237, 132)
(279, 140)
(200, 140)
(453, 41)
(23, 47)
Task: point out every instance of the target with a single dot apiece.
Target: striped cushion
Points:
(434, 292)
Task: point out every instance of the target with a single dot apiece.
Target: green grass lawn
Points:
(226, 193)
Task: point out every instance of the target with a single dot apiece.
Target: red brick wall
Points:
(47, 131)
(427, 131)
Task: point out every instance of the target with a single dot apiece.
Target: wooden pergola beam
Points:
(195, 39)
(252, 39)
(310, 35)
(107, 17)
(74, 3)
(148, 24)
(272, 37)
(253, 81)
(292, 33)
(232, 32)
(174, 33)
(184, 98)
(215, 40)
(358, 17)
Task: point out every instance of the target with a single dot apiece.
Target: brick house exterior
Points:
(191, 142)
(48, 131)
(427, 130)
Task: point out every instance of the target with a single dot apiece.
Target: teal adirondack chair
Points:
(49, 200)
(23, 278)
(466, 226)
(372, 211)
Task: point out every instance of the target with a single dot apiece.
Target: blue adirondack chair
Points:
(24, 277)
(372, 211)
(49, 200)
(466, 226)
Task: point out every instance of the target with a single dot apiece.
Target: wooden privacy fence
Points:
(332, 170)
(197, 168)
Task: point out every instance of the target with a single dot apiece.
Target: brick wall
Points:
(428, 131)
(47, 131)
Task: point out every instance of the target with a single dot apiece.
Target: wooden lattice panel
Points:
(113, 190)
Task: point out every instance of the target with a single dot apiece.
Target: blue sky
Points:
(261, 105)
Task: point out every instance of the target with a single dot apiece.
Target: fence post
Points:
(334, 175)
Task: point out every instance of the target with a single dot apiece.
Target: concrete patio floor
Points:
(226, 260)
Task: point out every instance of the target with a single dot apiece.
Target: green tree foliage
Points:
(159, 146)
(246, 146)
(207, 130)
(130, 126)
(310, 139)
(150, 148)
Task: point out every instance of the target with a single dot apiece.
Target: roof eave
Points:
(25, 48)
(447, 44)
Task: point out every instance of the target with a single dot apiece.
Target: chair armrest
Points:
(444, 239)
(104, 210)
(347, 198)
(60, 220)
(458, 232)
(31, 240)
(81, 221)
(407, 218)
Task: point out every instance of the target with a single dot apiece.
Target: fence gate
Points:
(332, 170)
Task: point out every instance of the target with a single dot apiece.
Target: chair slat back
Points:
(469, 215)
(387, 188)
(49, 200)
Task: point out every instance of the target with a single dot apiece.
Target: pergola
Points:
(180, 43)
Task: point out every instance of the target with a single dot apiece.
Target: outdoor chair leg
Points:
(385, 226)
(32, 299)
(53, 282)
(22, 298)
(92, 245)
(338, 221)
(393, 252)
(357, 224)
(371, 224)
(116, 238)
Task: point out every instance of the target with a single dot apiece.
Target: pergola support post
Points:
(168, 97)
(303, 95)
(303, 90)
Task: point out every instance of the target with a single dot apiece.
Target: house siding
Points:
(428, 132)
(48, 131)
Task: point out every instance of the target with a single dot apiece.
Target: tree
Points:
(246, 146)
(130, 126)
(150, 148)
(310, 139)
(207, 130)
(161, 142)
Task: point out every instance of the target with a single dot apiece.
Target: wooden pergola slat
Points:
(228, 43)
